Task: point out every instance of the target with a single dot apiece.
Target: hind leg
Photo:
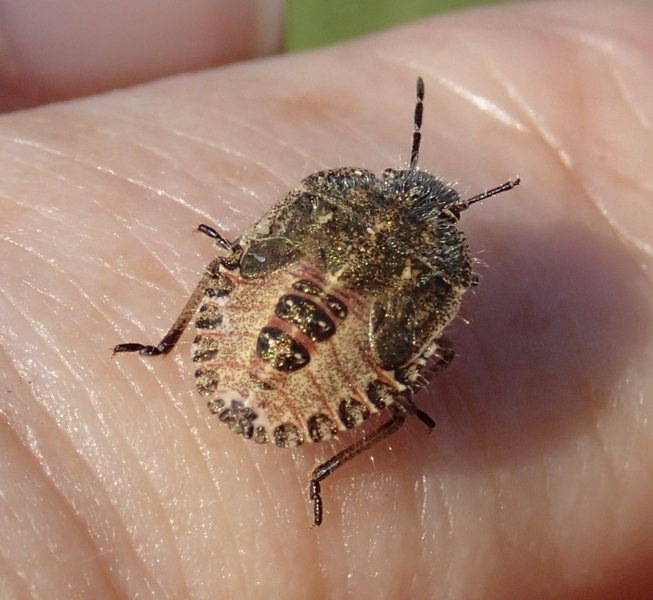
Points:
(397, 418)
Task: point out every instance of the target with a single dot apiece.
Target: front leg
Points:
(212, 279)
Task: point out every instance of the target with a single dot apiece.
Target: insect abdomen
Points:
(286, 360)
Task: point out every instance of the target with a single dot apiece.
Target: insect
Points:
(331, 308)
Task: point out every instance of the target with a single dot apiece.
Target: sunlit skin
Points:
(331, 308)
(115, 480)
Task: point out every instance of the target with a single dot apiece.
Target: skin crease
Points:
(115, 482)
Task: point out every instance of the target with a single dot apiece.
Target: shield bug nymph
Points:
(331, 308)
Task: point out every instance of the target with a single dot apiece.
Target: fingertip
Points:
(63, 49)
(270, 23)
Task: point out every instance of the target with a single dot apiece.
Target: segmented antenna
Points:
(414, 156)
(464, 204)
(417, 134)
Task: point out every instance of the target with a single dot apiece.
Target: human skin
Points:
(116, 482)
(62, 49)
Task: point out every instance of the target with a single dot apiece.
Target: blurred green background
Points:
(313, 23)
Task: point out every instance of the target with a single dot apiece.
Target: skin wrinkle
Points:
(201, 214)
(279, 142)
(163, 290)
(626, 238)
(414, 554)
(52, 297)
(144, 475)
(590, 404)
(512, 92)
(227, 531)
(34, 144)
(31, 526)
(607, 50)
(32, 252)
(40, 331)
(137, 182)
(233, 152)
(332, 578)
(228, 151)
(148, 284)
(129, 277)
(548, 137)
(484, 454)
(147, 187)
(476, 100)
(612, 62)
(41, 463)
(503, 82)
(262, 487)
(372, 142)
(141, 184)
(50, 263)
(227, 528)
(13, 582)
(99, 413)
(575, 34)
(629, 100)
(482, 104)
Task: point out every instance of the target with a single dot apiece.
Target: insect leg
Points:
(441, 359)
(172, 337)
(437, 356)
(397, 418)
(214, 235)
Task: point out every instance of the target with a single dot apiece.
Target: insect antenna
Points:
(417, 134)
(463, 204)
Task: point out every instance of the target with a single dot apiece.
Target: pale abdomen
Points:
(287, 359)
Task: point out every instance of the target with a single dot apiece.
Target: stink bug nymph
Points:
(331, 308)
